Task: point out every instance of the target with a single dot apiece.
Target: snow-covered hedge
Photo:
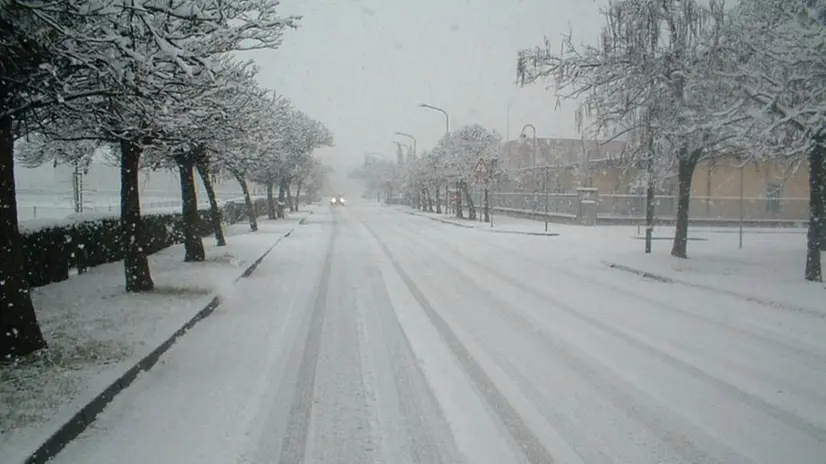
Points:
(235, 210)
(53, 250)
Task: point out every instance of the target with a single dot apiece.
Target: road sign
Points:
(481, 171)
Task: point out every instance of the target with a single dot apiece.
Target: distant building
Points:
(557, 152)
(773, 189)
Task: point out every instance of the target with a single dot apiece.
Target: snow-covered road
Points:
(372, 336)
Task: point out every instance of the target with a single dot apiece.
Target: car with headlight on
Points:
(337, 201)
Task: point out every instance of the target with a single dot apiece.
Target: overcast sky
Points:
(362, 66)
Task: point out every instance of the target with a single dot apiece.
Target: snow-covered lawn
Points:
(768, 269)
(96, 331)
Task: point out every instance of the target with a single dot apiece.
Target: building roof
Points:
(558, 151)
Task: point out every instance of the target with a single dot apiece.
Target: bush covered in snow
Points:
(52, 251)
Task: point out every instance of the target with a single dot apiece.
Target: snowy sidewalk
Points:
(501, 223)
(97, 332)
(768, 270)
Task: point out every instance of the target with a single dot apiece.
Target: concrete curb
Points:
(520, 232)
(640, 273)
(87, 415)
(720, 291)
(496, 231)
(440, 220)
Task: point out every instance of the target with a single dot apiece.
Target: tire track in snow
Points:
(623, 395)
(429, 436)
(812, 360)
(294, 442)
(426, 429)
(816, 360)
(522, 435)
(790, 419)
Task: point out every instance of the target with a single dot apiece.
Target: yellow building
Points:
(771, 190)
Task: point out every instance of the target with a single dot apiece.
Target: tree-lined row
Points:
(422, 180)
(689, 80)
(160, 83)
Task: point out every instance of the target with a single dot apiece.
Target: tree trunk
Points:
(685, 172)
(470, 207)
(214, 211)
(270, 201)
(823, 199)
(19, 331)
(459, 213)
(429, 201)
(193, 245)
(816, 213)
(297, 194)
(252, 215)
(135, 263)
(438, 200)
(290, 202)
(282, 197)
(650, 208)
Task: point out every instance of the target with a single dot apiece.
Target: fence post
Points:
(742, 206)
(546, 197)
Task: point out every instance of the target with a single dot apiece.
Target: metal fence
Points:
(632, 207)
(541, 189)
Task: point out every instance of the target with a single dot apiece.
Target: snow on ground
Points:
(61, 216)
(378, 336)
(96, 331)
(47, 205)
(768, 269)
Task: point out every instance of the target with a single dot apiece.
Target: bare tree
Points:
(778, 47)
(458, 154)
(104, 65)
(647, 77)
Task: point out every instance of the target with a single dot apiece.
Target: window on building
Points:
(773, 192)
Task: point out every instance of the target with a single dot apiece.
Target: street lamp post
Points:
(436, 108)
(447, 132)
(403, 134)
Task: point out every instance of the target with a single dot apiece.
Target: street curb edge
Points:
(640, 273)
(439, 220)
(88, 413)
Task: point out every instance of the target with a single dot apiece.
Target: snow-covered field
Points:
(378, 336)
(34, 205)
(96, 331)
(772, 257)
